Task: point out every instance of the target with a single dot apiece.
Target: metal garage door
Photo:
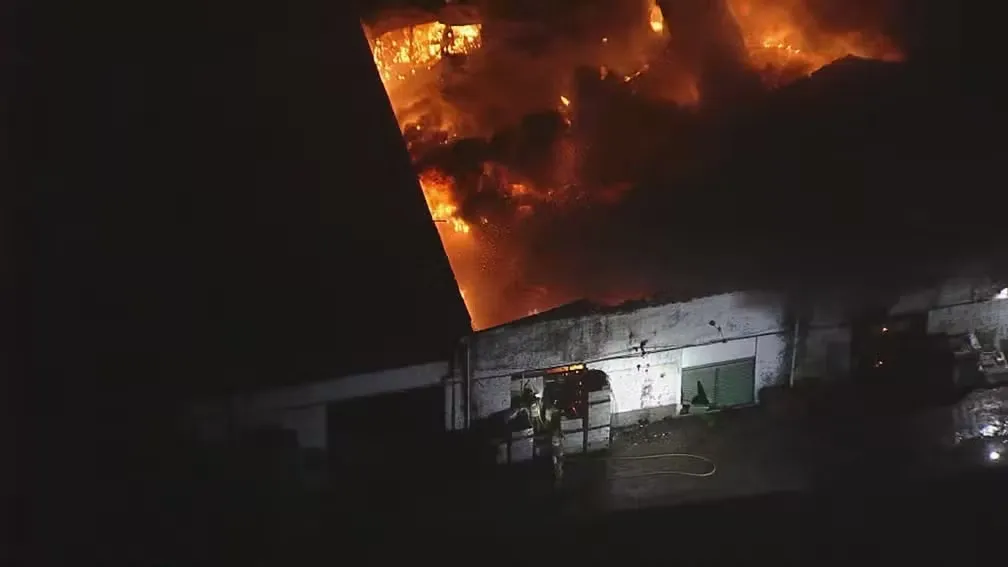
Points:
(725, 384)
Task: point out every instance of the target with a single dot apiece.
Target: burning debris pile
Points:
(528, 121)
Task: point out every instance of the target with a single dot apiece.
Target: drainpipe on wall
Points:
(467, 343)
(453, 412)
(794, 352)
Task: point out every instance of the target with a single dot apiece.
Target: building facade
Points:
(656, 361)
(659, 358)
(333, 422)
(645, 353)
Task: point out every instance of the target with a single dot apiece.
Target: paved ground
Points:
(756, 453)
(752, 455)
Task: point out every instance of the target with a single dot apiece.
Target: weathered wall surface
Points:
(991, 316)
(348, 387)
(534, 345)
(773, 360)
(825, 341)
(643, 352)
(950, 292)
(824, 353)
(303, 408)
(643, 386)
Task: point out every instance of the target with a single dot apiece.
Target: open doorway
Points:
(583, 397)
(898, 364)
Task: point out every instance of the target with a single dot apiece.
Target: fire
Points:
(518, 189)
(461, 40)
(438, 191)
(780, 34)
(457, 239)
(655, 19)
(400, 54)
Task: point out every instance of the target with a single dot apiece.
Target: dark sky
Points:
(219, 198)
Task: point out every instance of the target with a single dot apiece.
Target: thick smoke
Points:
(596, 159)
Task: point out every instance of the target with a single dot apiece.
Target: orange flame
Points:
(655, 19)
(438, 190)
(777, 35)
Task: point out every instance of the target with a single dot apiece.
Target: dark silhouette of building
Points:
(234, 209)
(219, 200)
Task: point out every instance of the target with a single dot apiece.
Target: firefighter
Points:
(545, 418)
(552, 424)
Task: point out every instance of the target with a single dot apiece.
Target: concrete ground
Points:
(675, 461)
(747, 452)
(756, 453)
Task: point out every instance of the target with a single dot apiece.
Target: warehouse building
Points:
(634, 363)
(651, 361)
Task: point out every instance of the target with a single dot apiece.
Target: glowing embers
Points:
(780, 36)
(461, 40)
(438, 191)
(565, 369)
(402, 53)
(655, 19)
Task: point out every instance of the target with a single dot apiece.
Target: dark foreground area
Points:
(897, 486)
(957, 520)
(199, 513)
(954, 520)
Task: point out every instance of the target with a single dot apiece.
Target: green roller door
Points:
(696, 379)
(735, 384)
(725, 385)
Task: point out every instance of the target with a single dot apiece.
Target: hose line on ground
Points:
(666, 472)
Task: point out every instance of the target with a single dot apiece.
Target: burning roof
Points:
(564, 151)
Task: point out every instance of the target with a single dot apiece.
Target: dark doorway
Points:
(898, 364)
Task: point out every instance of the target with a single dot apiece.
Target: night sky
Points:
(211, 198)
(224, 201)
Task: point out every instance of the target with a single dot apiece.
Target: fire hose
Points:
(665, 472)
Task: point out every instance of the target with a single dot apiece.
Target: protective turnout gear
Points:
(545, 419)
(552, 420)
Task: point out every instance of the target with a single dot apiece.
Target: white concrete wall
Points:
(718, 352)
(643, 387)
(548, 343)
(303, 408)
(646, 380)
(773, 360)
(953, 291)
(349, 387)
(958, 319)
